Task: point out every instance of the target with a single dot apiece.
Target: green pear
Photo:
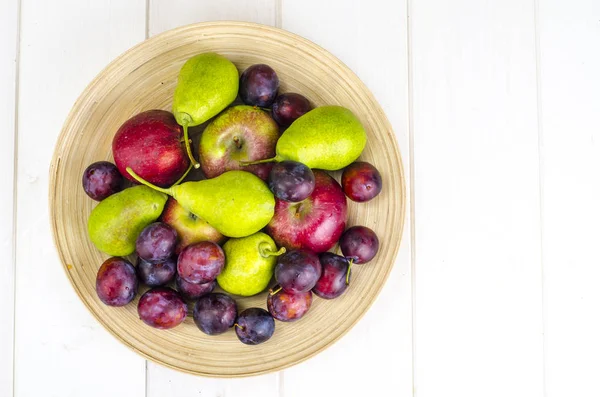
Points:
(327, 138)
(236, 203)
(115, 223)
(207, 84)
(249, 264)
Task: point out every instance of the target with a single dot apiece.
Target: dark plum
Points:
(215, 313)
(156, 243)
(156, 274)
(101, 179)
(361, 181)
(297, 271)
(335, 276)
(116, 283)
(254, 326)
(291, 181)
(201, 262)
(258, 85)
(285, 306)
(359, 244)
(193, 291)
(162, 308)
(288, 107)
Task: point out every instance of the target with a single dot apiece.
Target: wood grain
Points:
(9, 32)
(569, 104)
(144, 78)
(478, 322)
(164, 15)
(379, 349)
(64, 44)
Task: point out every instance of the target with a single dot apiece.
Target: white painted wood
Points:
(8, 72)
(164, 15)
(478, 290)
(375, 357)
(60, 350)
(569, 66)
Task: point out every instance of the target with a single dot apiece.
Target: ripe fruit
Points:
(190, 228)
(291, 181)
(361, 181)
(297, 271)
(156, 274)
(150, 144)
(101, 179)
(285, 306)
(335, 276)
(215, 313)
(326, 138)
(236, 203)
(360, 244)
(116, 284)
(250, 263)
(156, 243)
(239, 133)
(206, 84)
(288, 107)
(201, 262)
(315, 223)
(193, 291)
(162, 308)
(254, 326)
(115, 223)
(259, 85)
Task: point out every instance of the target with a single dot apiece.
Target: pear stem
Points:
(273, 292)
(350, 263)
(183, 176)
(245, 163)
(144, 182)
(186, 138)
(265, 250)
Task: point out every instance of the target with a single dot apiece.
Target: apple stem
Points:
(245, 163)
(271, 292)
(183, 176)
(188, 148)
(265, 250)
(350, 263)
(144, 182)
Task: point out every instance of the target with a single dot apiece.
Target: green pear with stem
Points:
(115, 223)
(249, 264)
(206, 85)
(327, 138)
(236, 203)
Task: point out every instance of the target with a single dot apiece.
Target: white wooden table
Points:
(496, 106)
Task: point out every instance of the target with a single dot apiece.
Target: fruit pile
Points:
(266, 209)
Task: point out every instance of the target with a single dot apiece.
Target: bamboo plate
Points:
(144, 78)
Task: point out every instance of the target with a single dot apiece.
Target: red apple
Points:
(189, 227)
(316, 223)
(239, 133)
(150, 143)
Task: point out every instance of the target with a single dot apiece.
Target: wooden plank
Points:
(375, 357)
(478, 290)
(9, 33)
(165, 15)
(60, 350)
(569, 100)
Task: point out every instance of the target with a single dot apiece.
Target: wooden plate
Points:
(144, 78)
